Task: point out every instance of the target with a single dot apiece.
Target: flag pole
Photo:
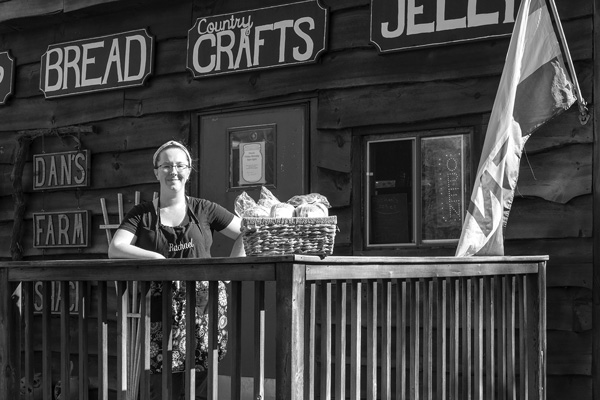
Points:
(584, 114)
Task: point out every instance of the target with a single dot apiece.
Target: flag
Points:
(533, 88)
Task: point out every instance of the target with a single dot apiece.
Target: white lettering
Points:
(50, 232)
(181, 246)
(298, 56)
(114, 57)
(475, 19)
(195, 54)
(444, 24)
(227, 49)
(142, 42)
(1, 74)
(63, 229)
(52, 175)
(78, 230)
(38, 228)
(85, 61)
(244, 49)
(412, 27)
(40, 171)
(385, 31)
(65, 169)
(509, 11)
(258, 42)
(56, 67)
(282, 26)
(79, 159)
(72, 64)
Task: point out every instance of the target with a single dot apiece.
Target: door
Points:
(244, 150)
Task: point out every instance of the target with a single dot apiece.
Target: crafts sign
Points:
(61, 229)
(270, 37)
(404, 24)
(7, 72)
(103, 63)
(61, 170)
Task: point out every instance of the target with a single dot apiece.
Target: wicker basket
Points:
(278, 236)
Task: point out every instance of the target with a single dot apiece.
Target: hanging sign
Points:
(61, 170)
(7, 76)
(61, 229)
(56, 297)
(404, 24)
(103, 63)
(270, 37)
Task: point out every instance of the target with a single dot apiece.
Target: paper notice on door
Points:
(252, 163)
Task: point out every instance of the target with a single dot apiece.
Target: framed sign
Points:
(56, 297)
(91, 65)
(61, 170)
(252, 156)
(61, 229)
(404, 24)
(269, 37)
(7, 76)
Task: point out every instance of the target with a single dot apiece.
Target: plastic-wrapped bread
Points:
(311, 198)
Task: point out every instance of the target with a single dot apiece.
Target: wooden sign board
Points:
(91, 65)
(56, 297)
(270, 37)
(405, 24)
(7, 76)
(61, 229)
(61, 170)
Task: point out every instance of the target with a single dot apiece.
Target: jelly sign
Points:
(404, 24)
(103, 63)
(7, 72)
(270, 37)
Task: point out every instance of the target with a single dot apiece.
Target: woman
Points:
(177, 226)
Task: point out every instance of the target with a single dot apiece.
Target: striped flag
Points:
(533, 88)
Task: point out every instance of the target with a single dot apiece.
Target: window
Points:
(416, 188)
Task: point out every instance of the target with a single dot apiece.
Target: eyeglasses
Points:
(169, 167)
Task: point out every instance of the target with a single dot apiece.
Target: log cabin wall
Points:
(357, 92)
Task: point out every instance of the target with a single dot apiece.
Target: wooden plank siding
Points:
(358, 92)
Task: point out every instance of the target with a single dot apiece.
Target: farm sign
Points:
(270, 37)
(103, 63)
(404, 24)
(7, 72)
(61, 229)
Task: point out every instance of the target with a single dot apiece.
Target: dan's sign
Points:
(103, 63)
(7, 76)
(270, 37)
(61, 170)
(404, 24)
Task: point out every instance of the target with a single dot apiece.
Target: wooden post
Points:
(7, 375)
(291, 282)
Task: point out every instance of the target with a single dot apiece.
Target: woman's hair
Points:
(169, 144)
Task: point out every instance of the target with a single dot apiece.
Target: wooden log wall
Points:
(358, 92)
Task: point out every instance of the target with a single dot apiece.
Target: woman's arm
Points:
(123, 246)
(233, 231)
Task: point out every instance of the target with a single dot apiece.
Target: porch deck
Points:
(413, 328)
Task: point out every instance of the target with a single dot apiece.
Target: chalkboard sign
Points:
(444, 182)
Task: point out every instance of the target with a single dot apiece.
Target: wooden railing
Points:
(346, 327)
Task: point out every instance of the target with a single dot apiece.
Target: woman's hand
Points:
(123, 246)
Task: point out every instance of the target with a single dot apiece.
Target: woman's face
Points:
(170, 177)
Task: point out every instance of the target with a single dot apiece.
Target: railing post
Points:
(7, 375)
(290, 292)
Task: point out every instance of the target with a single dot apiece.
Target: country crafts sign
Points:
(405, 24)
(103, 63)
(7, 75)
(270, 37)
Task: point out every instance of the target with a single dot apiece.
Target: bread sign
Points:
(7, 72)
(103, 63)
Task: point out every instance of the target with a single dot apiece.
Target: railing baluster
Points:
(478, 337)
(386, 341)
(356, 339)
(372, 339)
(83, 322)
(259, 340)
(144, 345)
(523, 331)
(427, 339)
(340, 346)
(310, 334)
(414, 296)
(167, 340)
(46, 339)
(27, 317)
(490, 327)
(510, 333)
(441, 297)
(500, 289)
(190, 340)
(213, 340)
(401, 322)
(235, 338)
(454, 337)
(102, 341)
(326, 340)
(122, 339)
